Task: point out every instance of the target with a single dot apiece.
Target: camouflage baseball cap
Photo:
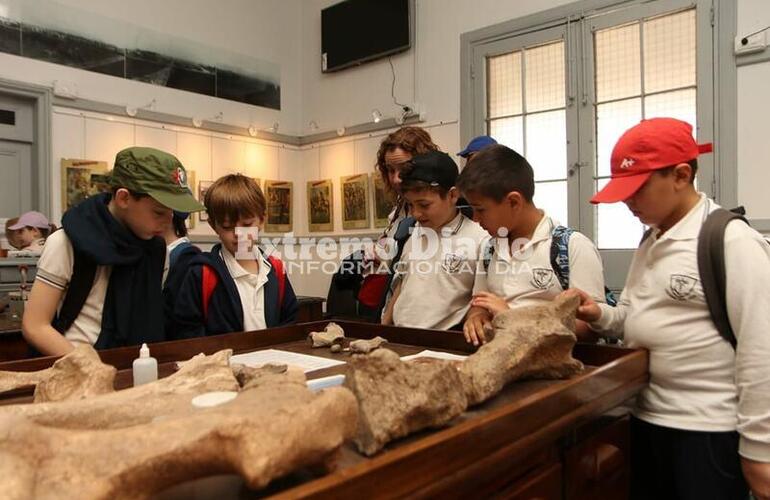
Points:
(156, 173)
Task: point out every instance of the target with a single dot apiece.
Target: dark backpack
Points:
(349, 286)
(559, 259)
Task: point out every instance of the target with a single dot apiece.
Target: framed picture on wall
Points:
(279, 206)
(320, 206)
(384, 201)
(203, 186)
(81, 179)
(355, 201)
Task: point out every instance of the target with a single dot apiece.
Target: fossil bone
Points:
(366, 346)
(331, 335)
(270, 429)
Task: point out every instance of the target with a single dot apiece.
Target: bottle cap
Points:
(144, 352)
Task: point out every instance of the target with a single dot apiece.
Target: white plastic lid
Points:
(144, 351)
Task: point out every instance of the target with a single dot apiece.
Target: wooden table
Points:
(13, 346)
(536, 439)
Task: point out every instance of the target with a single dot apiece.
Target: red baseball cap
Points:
(651, 145)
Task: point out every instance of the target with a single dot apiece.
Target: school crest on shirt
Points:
(681, 286)
(452, 262)
(541, 278)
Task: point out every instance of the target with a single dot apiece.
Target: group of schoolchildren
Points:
(121, 270)
(700, 428)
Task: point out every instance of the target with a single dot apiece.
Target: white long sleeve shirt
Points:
(697, 381)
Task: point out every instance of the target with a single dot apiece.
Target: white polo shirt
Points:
(437, 285)
(524, 276)
(697, 381)
(251, 288)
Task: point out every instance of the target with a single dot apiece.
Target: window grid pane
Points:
(669, 52)
(504, 85)
(612, 119)
(618, 63)
(544, 77)
(509, 132)
(546, 144)
(552, 198)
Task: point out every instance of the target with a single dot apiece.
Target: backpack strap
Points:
(560, 254)
(281, 275)
(81, 282)
(711, 267)
(209, 281)
(560, 260)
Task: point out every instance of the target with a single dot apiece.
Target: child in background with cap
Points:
(236, 286)
(113, 243)
(476, 145)
(703, 422)
(438, 268)
(31, 230)
(499, 184)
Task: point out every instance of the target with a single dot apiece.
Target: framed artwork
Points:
(81, 179)
(320, 205)
(279, 206)
(202, 188)
(384, 201)
(355, 201)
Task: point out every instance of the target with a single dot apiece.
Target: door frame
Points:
(42, 99)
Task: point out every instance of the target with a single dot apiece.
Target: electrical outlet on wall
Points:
(756, 42)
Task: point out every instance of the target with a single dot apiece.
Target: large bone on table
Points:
(137, 405)
(270, 429)
(397, 398)
(80, 374)
(529, 342)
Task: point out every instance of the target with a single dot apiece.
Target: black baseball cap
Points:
(435, 168)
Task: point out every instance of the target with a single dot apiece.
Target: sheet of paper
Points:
(434, 354)
(276, 356)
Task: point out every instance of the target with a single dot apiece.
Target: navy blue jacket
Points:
(179, 262)
(225, 311)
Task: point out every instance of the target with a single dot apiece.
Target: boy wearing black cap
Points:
(437, 271)
(703, 422)
(99, 281)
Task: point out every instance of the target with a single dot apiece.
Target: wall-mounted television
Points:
(357, 31)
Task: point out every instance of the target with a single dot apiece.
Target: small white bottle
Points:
(145, 367)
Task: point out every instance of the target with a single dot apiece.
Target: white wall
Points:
(428, 74)
(753, 113)
(266, 30)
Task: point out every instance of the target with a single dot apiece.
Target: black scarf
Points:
(133, 306)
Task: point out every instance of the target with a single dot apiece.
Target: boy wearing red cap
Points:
(703, 422)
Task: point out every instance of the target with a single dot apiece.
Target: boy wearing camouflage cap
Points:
(99, 281)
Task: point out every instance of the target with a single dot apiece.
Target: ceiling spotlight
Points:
(376, 116)
(197, 122)
(218, 117)
(313, 126)
(252, 130)
(133, 110)
(274, 128)
(341, 131)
